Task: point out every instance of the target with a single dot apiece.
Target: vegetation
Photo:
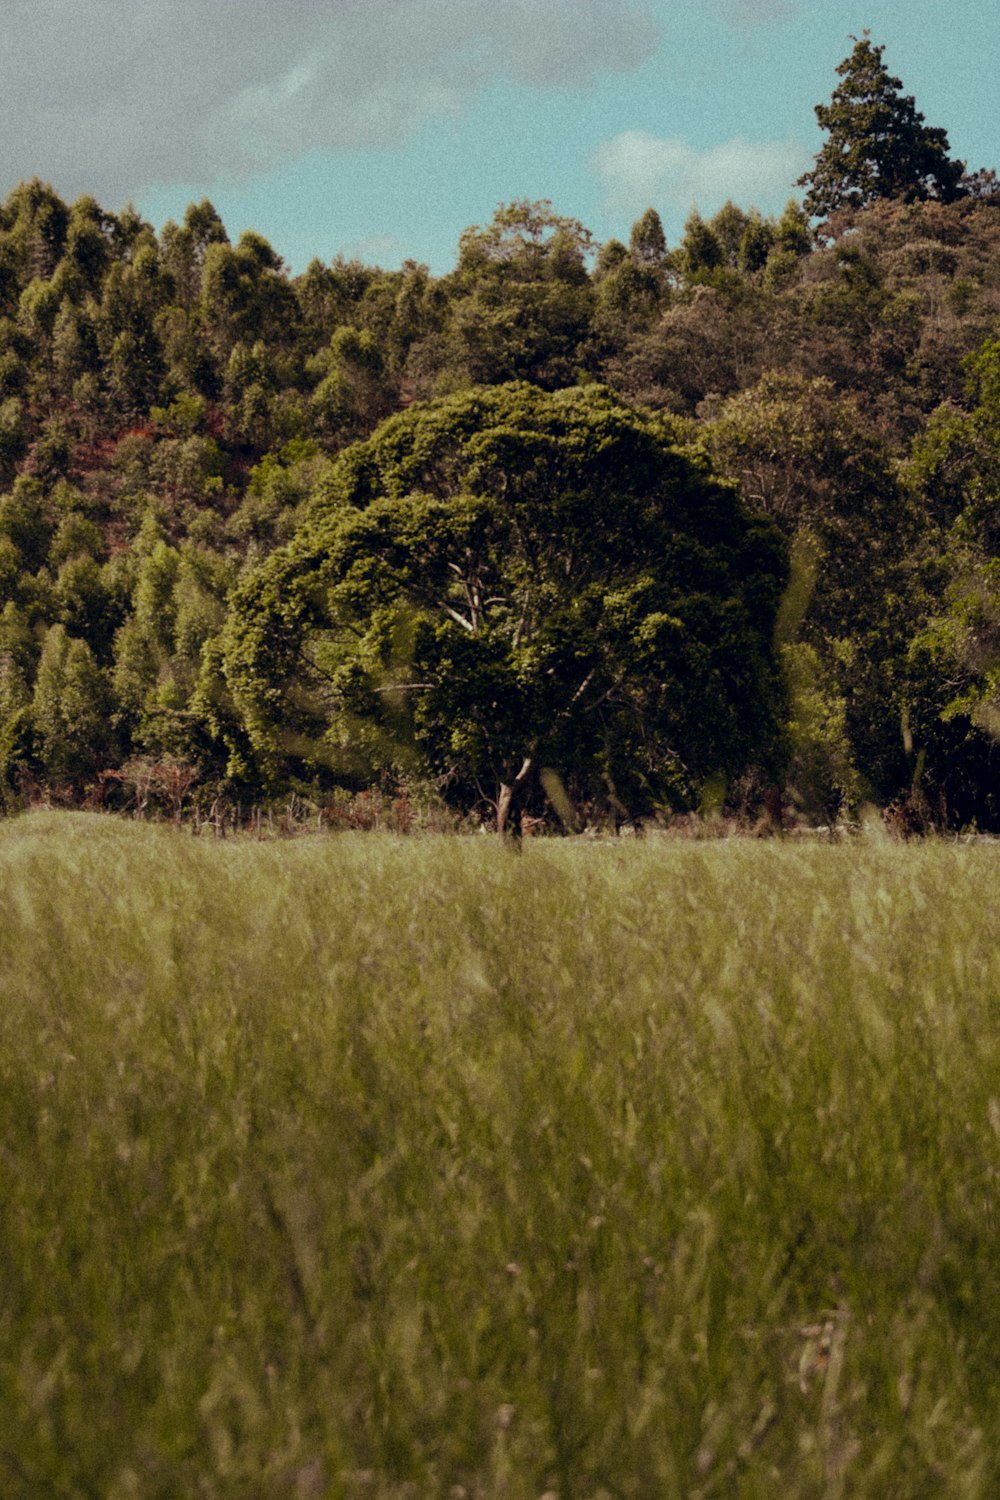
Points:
(368, 1167)
(879, 146)
(508, 582)
(179, 421)
(339, 1168)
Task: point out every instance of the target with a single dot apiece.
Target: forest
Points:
(584, 533)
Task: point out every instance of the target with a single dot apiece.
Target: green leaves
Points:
(954, 658)
(879, 146)
(70, 709)
(509, 575)
(522, 298)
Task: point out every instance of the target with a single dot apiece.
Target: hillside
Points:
(170, 402)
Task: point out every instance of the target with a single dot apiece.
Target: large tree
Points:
(510, 581)
(878, 146)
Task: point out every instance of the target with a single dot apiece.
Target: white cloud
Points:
(638, 170)
(110, 99)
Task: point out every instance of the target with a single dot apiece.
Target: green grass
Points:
(362, 1166)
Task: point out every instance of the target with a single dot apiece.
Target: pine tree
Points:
(879, 146)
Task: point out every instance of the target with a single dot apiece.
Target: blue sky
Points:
(382, 128)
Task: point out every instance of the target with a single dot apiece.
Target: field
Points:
(361, 1166)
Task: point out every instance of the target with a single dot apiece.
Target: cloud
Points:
(109, 99)
(638, 169)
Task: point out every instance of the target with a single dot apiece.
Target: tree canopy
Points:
(510, 582)
(879, 145)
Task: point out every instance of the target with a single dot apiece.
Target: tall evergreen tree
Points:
(879, 146)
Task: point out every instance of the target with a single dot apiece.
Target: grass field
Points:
(358, 1166)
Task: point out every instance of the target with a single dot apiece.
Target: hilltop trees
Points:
(507, 582)
(879, 146)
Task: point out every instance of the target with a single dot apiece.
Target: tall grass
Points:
(360, 1166)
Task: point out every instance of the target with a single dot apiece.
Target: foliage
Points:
(183, 383)
(954, 660)
(522, 298)
(69, 710)
(510, 580)
(878, 146)
(804, 457)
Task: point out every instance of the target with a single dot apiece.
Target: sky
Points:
(380, 129)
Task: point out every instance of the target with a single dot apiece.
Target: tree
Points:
(129, 345)
(184, 248)
(647, 242)
(954, 680)
(25, 519)
(74, 347)
(88, 246)
(700, 250)
(13, 435)
(354, 394)
(804, 456)
(506, 581)
(177, 609)
(879, 146)
(245, 295)
(522, 299)
(18, 653)
(632, 286)
(70, 710)
(35, 220)
(756, 243)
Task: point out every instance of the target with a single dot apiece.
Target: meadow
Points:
(373, 1167)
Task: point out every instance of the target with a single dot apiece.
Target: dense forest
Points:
(596, 532)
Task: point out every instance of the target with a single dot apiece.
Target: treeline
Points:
(179, 421)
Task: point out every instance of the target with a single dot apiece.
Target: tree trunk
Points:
(511, 800)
